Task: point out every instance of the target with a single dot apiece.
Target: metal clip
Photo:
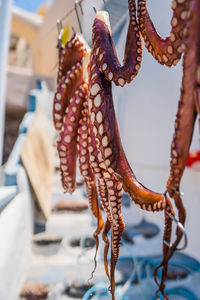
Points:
(78, 3)
(74, 31)
(182, 228)
(60, 31)
(106, 6)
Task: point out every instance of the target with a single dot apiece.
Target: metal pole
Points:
(5, 24)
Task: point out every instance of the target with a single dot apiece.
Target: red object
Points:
(193, 157)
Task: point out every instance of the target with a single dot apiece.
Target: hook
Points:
(95, 10)
(74, 31)
(77, 2)
(60, 31)
(106, 6)
(182, 228)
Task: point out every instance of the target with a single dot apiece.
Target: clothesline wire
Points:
(55, 26)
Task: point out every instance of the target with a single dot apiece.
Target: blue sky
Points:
(30, 5)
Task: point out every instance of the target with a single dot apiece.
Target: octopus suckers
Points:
(107, 175)
(74, 109)
(184, 15)
(107, 162)
(63, 161)
(180, 1)
(64, 168)
(92, 158)
(102, 165)
(58, 117)
(173, 4)
(174, 153)
(63, 86)
(104, 67)
(92, 117)
(110, 75)
(172, 37)
(95, 130)
(181, 48)
(95, 89)
(67, 138)
(72, 119)
(85, 167)
(165, 58)
(97, 51)
(97, 100)
(70, 128)
(159, 58)
(83, 152)
(120, 193)
(174, 22)
(119, 186)
(175, 61)
(137, 67)
(58, 96)
(101, 129)
(99, 117)
(89, 104)
(94, 75)
(170, 49)
(91, 149)
(83, 159)
(67, 80)
(105, 141)
(108, 152)
(101, 56)
(63, 147)
(121, 81)
(99, 156)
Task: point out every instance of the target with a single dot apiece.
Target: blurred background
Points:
(47, 247)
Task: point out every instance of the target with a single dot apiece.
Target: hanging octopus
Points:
(108, 157)
(70, 103)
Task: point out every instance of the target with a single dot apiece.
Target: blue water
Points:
(30, 5)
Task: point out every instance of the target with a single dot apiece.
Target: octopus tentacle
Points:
(105, 238)
(65, 90)
(105, 53)
(187, 111)
(95, 159)
(166, 51)
(89, 177)
(115, 198)
(72, 60)
(70, 54)
(66, 144)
